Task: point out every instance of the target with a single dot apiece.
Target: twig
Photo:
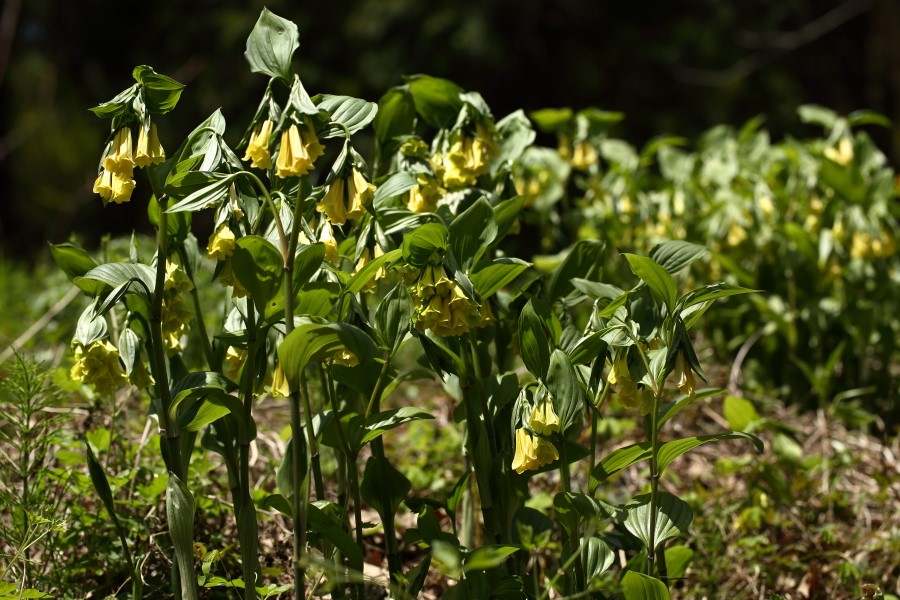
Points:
(735, 372)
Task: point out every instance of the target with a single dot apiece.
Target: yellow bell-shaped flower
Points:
(280, 386)
(120, 159)
(258, 146)
(298, 152)
(684, 376)
(99, 366)
(332, 203)
(221, 243)
(149, 151)
(326, 236)
(543, 419)
(360, 193)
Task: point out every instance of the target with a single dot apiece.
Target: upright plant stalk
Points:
(247, 528)
(654, 480)
(198, 310)
(159, 370)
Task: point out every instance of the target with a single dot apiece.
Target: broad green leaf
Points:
(115, 274)
(259, 266)
(160, 93)
(617, 460)
(673, 517)
(180, 517)
(284, 475)
(398, 183)
(307, 262)
(323, 525)
(567, 391)
(488, 557)
(90, 327)
(211, 194)
(534, 344)
(507, 214)
(437, 100)
(584, 261)
(657, 279)
(396, 116)
(314, 341)
(598, 557)
(75, 263)
(672, 450)
(670, 410)
(352, 113)
(572, 507)
(817, 115)
(739, 412)
(271, 45)
(390, 419)
(178, 225)
(316, 299)
(677, 560)
(383, 487)
(496, 275)
(393, 317)
(471, 232)
(121, 104)
(425, 245)
(859, 118)
(637, 586)
(101, 484)
(552, 120)
(515, 134)
(674, 255)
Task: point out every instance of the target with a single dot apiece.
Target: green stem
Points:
(249, 558)
(198, 310)
(654, 482)
(311, 441)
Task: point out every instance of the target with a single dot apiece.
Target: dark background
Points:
(674, 67)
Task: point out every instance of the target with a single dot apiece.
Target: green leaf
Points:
(91, 327)
(115, 274)
(488, 557)
(660, 282)
(180, 517)
(390, 419)
(101, 484)
(398, 183)
(598, 557)
(670, 410)
(161, 93)
(364, 275)
(75, 262)
(564, 385)
(677, 560)
(817, 115)
(383, 487)
(673, 517)
(471, 232)
(210, 189)
(674, 255)
(425, 245)
(496, 275)
(617, 460)
(516, 135)
(571, 507)
(271, 45)
(315, 341)
(393, 317)
(552, 120)
(259, 266)
(713, 292)
(672, 450)
(119, 105)
(534, 343)
(859, 118)
(396, 117)
(437, 100)
(739, 412)
(178, 225)
(323, 525)
(584, 261)
(637, 586)
(307, 262)
(352, 113)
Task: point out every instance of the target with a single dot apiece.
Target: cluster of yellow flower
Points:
(441, 304)
(581, 154)
(533, 451)
(628, 392)
(424, 196)
(176, 314)
(98, 365)
(116, 179)
(865, 245)
(467, 158)
(296, 155)
(347, 198)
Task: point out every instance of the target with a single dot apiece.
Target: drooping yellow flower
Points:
(280, 386)
(234, 361)
(543, 419)
(258, 146)
(583, 155)
(424, 196)
(176, 315)
(441, 304)
(842, 154)
(99, 366)
(532, 452)
(120, 159)
(176, 279)
(221, 243)
(766, 206)
(736, 234)
(326, 236)
(298, 152)
(114, 186)
(684, 376)
(360, 194)
(149, 151)
(467, 158)
(332, 203)
(227, 278)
